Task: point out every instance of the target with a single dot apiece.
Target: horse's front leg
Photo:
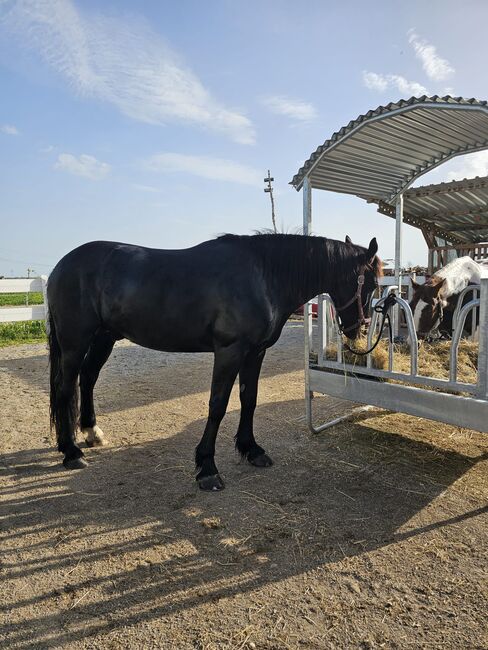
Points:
(248, 384)
(226, 366)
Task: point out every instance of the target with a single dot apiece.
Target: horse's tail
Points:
(58, 406)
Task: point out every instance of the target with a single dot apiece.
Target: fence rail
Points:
(24, 285)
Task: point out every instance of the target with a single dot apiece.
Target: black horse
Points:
(230, 296)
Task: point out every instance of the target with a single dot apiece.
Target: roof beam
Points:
(439, 213)
(469, 226)
(445, 188)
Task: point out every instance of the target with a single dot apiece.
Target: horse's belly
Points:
(170, 345)
(167, 336)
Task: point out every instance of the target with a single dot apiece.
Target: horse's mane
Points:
(302, 260)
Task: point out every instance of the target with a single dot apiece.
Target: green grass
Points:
(32, 331)
(19, 299)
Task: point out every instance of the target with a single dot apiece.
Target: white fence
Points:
(27, 312)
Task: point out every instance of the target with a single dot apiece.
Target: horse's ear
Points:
(348, 240)
(372, 248)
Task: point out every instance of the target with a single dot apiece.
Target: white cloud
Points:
(382, 82)
(145, 188)
(475, 164)
(84, 165)
(435, 67)
(375, 81)
(296, 109)
(407, 87)
(122, 62)
(9, 129)
(456, 169)
(217, 169)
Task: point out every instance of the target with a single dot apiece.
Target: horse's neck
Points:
(297, 274)
(458, 274)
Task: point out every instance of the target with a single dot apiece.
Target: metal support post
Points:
(307, 315)
(398, 259)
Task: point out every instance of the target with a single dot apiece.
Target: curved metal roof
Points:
(456, 211)
(381, 153)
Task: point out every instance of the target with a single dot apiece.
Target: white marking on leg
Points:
(418, 312)
(94, 436)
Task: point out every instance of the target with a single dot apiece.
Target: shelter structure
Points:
(378, 157)
(453, 218)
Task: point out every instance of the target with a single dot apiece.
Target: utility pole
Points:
(269, 190)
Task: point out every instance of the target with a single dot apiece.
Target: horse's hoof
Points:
(94, 436)
(96, 442)
(211, 483)
(75, 463)
(263, 460)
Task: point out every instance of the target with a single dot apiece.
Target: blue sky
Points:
(154, 122)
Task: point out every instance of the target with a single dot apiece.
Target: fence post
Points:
(43, 279)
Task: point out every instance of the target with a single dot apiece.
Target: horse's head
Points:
(427, 305)
(352, 294)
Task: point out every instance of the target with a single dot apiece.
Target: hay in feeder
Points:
(433, 358)
(379, 356)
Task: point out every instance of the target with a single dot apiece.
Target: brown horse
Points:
(433, 303)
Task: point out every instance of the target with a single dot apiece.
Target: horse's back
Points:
(165, 299)
(458, 274)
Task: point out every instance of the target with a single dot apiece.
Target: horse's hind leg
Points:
(68, 345)
(97, 355)
(64, 408)
(246, 445)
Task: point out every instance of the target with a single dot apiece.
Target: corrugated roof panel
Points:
(399, 142)
(457, 210)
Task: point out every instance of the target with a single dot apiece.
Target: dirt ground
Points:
(372, 535)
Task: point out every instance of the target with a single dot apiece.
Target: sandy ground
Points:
(370, 536)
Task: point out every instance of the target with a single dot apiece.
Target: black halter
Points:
(383, 309)
(362, 320)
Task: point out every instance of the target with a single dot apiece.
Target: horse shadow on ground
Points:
(130, 539)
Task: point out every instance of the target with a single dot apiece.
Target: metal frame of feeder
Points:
(445, 400)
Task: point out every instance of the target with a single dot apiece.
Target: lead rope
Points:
(384, 308)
